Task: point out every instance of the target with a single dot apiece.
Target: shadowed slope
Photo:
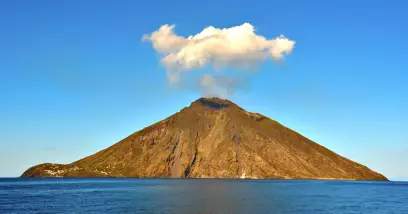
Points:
(213, 138)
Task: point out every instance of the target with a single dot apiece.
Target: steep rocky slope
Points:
(213, 138)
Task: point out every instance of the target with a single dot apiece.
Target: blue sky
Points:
(75, 76)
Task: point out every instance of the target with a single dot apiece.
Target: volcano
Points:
(213, 138)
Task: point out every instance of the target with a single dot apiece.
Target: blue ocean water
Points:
(61, 195)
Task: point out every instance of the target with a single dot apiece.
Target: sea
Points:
(114, 195)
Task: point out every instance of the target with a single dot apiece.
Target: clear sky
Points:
(75, 76)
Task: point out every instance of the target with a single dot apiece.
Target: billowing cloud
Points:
(238, 47)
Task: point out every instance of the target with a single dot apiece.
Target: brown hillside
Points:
(213, 138)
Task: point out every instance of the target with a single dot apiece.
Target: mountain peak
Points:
(213, 102)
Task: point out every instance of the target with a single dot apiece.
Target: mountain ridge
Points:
(213, 138)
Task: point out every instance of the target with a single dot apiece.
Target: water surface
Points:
(57, 195)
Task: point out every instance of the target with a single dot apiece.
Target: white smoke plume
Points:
(219, 86)
(237, 47)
